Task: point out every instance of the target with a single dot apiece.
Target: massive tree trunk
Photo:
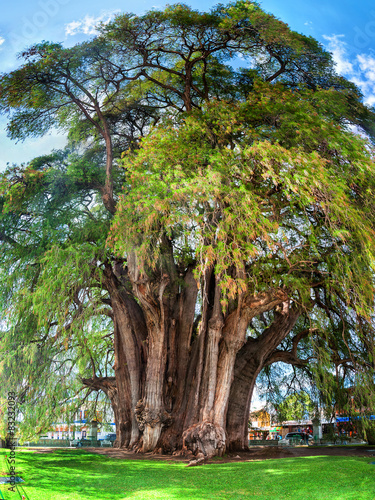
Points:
(181, 354)
(206, 436)
(130, 335)
(120, 403)
(184, 377)
(250, 360)
(158, 309)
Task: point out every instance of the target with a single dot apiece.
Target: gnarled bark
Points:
(250, 361)
(158, 308)
(204, 440)
(130, 335)
(221, 340)
(183, 392)
(181, 357)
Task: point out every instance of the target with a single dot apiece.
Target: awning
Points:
(349, 419)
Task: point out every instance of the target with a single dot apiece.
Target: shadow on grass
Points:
(81, 475)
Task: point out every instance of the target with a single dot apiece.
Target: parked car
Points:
(298, 437)
(110, 437)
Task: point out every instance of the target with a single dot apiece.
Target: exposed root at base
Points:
(204, 440)
(200, 459)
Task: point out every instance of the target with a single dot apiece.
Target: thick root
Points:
(199, 460)
(151, 422)
(205, 440)
(151, 434)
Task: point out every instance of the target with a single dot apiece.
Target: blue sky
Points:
(345, 27)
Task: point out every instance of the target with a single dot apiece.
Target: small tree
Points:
(297, 406)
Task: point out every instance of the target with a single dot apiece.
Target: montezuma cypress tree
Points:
(242, 194)
(244, 208)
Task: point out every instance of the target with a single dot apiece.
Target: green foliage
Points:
(54, 323)
(297, 406)
(266, 185)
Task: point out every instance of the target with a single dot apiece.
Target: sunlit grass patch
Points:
(80, 475)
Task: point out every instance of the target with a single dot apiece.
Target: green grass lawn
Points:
(79, 475)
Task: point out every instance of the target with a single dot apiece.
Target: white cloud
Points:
(338, 48)
(2, 40)
(360, 69)
(371, 100)
(88, 24)
(73, 28)
(367, 65)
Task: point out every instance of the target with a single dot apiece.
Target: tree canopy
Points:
(297, 406)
